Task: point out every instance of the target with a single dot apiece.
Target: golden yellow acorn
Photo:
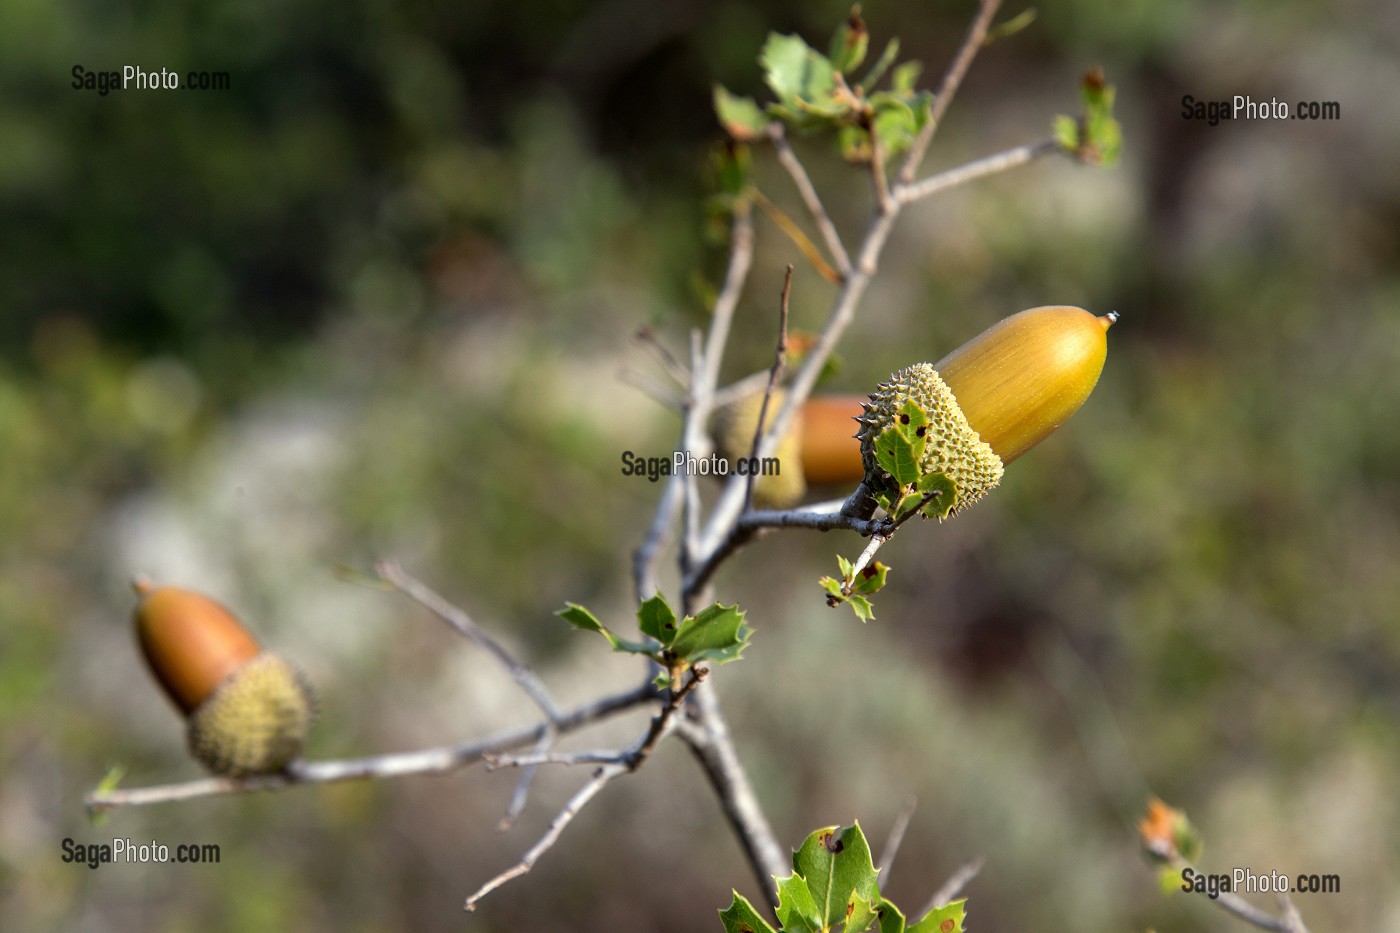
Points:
(248, 710)
(993, 398)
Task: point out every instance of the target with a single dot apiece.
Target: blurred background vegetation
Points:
(373, 301)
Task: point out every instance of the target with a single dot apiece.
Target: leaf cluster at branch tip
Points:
(833, 887)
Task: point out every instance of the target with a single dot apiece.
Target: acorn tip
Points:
(142, 584)
(1109, 319)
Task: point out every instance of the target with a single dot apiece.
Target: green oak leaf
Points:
(793, 69)
(716, 634)
(656, 618)
(871, 579)
(946, 919)
(941, 505)
(907, 502)
(850, 42)
(904, 78)
(882, 64)
(837, 866)
(797, 911)
(863, 610)
(896, 456)
(1067, 133)
(581, 618)
(899, 448)
(740, 116)
(740, 917)
(891, 917)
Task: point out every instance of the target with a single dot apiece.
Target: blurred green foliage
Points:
(372, 301)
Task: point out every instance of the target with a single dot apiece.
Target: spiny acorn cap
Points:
(255, 722)
(952, 446)
(733, 432)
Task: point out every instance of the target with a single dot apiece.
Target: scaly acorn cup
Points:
(248, 710)
(990, 400)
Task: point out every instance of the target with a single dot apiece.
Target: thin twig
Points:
(556, 828)
(953, 886)
(1243, 909)
(799, 238)
(971, 171)
(521, 795)
(895, 839)
(597, 756)
(707, 734)
(789, 161)
(529, 681)
(740, 261)
(695, 444)
(674, 368)
(881, 184)
(649, 551)
(952, 79)
(779, 361)
(1291, 917)
(740, 388)
(425, 761)
(752, 525)
(652, 389)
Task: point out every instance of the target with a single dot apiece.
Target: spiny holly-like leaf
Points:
(896, 456)
(581, 618)
(849, 44)
(939, 506)
(837, 866)
(891, 917)
(740, 917)
(717, 634)
(740, 116)
(797, 912)
(833, 589)
(863, 610)
(871, 579)
(656, 618)
(845, 565)
(900, 447)
(946, 919)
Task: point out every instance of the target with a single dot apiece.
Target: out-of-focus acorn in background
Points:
(248, 710)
